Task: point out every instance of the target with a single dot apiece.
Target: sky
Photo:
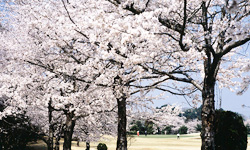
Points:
(230, 101)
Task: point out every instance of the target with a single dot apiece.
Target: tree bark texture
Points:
(50, 140)
(68, 131)
(57, 144)
(78, 142)
(208, 114)
(58, 137)
(87, 145)
(51, 130)
(122, 123)
(208, 109)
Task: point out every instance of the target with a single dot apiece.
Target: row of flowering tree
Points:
(77, 60)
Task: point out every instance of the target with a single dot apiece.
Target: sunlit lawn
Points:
(150, 142)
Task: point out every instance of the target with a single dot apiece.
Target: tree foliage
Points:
(142, 126)
(91, 56)
(16, 132)
(230, 131)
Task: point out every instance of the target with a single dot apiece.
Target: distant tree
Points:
(193, 113)
(248, 128)
(198, 127)
(183, 130)
(230, 133)
(168, 129)
(138, 126)
(149, 127)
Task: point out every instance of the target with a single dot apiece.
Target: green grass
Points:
(162, 136)
(150, 142)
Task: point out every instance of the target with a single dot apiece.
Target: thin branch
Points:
(170, 35)
(171, 92)
(68, 12)
(82, 34)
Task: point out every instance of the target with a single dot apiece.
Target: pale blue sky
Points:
(230, 101)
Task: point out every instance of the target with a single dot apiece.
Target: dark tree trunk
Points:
(58, 136)
(78, 142)
(50, 140)
(51, 130)
(122, 123)
(87, 146)
(208, 109)
(68, 131)
(57, 144)
(1, 145)
(208, 114)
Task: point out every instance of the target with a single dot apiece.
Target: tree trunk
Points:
(87, 146)
(51, 130)
(78, 142)
(57, 144)
(50, 140)
(122, 123)
(68, 131)
(207, 115)
(1, 145)
(58, 136)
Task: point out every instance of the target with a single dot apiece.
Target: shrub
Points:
(101, 146)
(230, 131)
(16, 132)
(183, 130)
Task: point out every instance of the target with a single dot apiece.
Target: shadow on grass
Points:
(39, 145)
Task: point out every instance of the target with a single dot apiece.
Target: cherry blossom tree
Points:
(215, 29)
(63, 64)
(205, 38)
(75, 48)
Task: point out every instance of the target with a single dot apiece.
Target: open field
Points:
(151, 142)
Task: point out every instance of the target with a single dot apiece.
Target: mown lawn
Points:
(150, 142)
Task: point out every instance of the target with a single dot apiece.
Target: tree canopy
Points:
(85, 58)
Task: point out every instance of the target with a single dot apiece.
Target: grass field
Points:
(150, 142)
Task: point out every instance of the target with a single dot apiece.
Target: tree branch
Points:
(170, 24)
(234, 45)
(182, 33)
